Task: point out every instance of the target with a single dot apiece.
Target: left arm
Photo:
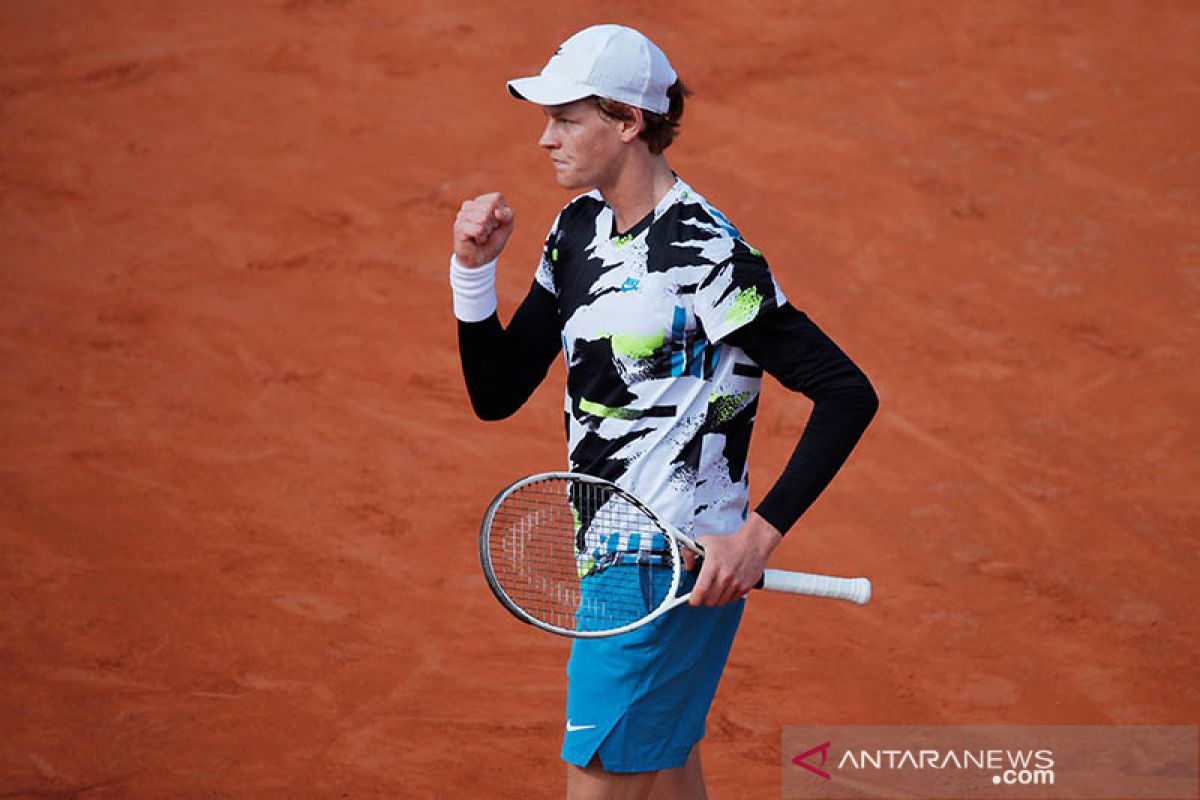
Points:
(789, 346)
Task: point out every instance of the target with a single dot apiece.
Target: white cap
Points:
(604, 60)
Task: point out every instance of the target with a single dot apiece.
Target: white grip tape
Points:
(855, 590)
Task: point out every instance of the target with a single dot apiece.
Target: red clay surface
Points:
(240, 483)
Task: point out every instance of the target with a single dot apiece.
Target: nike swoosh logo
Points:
(572, 728)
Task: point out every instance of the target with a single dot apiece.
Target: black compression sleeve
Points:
(790, 347)
(503, 366)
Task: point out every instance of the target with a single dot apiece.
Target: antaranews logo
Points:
(1008, 767)
(971, 762)
(802, 759)
(1011, 767)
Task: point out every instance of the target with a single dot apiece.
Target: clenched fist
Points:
(482, 229)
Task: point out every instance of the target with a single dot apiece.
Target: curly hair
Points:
(658, 130)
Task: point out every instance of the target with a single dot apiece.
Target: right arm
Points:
(501, 366)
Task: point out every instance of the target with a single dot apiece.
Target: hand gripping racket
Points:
(580, 556)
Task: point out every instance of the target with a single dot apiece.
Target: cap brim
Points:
(547, 91)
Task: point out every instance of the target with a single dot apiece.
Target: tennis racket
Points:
(580, 556)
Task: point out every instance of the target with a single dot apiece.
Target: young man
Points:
(667, 320)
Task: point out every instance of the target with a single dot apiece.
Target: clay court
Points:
(240, 482)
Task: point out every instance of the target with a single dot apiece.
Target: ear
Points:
(630, 128)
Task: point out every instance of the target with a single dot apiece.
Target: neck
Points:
(637, 188)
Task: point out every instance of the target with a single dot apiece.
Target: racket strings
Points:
(579, 556)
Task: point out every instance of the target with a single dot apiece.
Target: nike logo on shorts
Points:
(572, 728)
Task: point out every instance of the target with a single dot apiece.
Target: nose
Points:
(548, 139)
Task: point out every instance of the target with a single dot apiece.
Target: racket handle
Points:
(854, 590)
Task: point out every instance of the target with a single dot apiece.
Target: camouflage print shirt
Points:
(655, 400)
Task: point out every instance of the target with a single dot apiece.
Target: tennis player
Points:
(666, 319)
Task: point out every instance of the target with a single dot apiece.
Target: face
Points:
(586, 147)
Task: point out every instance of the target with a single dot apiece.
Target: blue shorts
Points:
(638, 700)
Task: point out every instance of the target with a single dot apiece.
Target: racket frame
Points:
(673, 537)
(854, 590)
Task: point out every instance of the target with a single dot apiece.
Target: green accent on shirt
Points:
(633, 346)
(608, 412)
(745, 307)
(726, 405)
(554, 255)
(623, 240)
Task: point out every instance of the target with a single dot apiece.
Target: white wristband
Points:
(474, 290)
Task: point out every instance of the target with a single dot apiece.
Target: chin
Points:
(566, 182)
(570, 180)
